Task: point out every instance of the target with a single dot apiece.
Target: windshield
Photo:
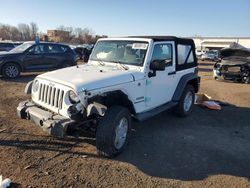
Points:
(22, 47)
(125, 52)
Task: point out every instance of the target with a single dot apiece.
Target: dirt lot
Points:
(207, 149)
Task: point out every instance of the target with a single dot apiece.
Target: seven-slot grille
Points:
(51, 95)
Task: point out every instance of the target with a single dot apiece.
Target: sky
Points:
(134, 17)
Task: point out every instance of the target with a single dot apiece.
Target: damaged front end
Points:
(54, 109)
(233, 72)
(234, 66)
(51, 123)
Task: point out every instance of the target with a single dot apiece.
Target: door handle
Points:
(171, 73)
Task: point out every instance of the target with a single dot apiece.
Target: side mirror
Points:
(157, 65)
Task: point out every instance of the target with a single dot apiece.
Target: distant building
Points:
(57, 35)
(216, 43)
(45, 38)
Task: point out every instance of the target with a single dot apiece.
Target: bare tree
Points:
(3, 32)
(15, 34)
(33, 30)
(25, 32)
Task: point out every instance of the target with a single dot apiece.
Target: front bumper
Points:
(216, 73)
(52, 124)
(222, 75)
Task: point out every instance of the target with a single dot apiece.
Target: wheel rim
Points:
(188, 100)
(121, 133)
(11, 71)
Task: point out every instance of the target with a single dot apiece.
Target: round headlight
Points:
(73, 97)
(35, 86)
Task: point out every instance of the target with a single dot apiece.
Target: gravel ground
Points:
(207, 149)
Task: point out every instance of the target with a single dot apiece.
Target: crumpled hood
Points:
(91, 77)
(229, 52)
(235, 60)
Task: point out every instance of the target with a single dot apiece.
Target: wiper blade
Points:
(122, 65)
(101, 62)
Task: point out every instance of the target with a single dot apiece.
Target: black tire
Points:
(106, 131)
(8, 67)
(219, 78)
(179, 110)
(247, 80)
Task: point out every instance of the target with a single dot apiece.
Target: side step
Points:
(148, 114)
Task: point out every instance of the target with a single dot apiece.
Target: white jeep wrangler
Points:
(136, 77)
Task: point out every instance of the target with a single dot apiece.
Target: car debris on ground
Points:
(205, 100)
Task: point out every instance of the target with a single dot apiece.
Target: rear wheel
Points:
(11, 70)
(113, 131)
(186, 102)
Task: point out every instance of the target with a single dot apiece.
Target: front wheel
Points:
(186, 103)
(247, 80)
(113, 131)
(11, 70)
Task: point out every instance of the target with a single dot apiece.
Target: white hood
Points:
(89, 76)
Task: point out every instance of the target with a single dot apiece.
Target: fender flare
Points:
(28, 87)
(182, 83)
(115, 97)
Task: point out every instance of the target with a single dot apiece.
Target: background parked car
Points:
(83, 52)
(79, 52)
(234, 66)
(6, 46)
(199, 53)
(17, 43)
(31, 56)
(210, 55)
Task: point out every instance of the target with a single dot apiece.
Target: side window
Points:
(185, 54)
(190, 58)
(64, 48)
(163, 52)
(37, 49)
(56, 48)
(53, 49)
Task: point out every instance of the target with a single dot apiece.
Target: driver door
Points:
(161, 87)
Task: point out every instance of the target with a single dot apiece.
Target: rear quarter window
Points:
(185, 54)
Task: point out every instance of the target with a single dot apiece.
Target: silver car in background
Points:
(212, 55)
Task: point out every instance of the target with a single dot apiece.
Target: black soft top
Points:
(167, 38)
(176, 40)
